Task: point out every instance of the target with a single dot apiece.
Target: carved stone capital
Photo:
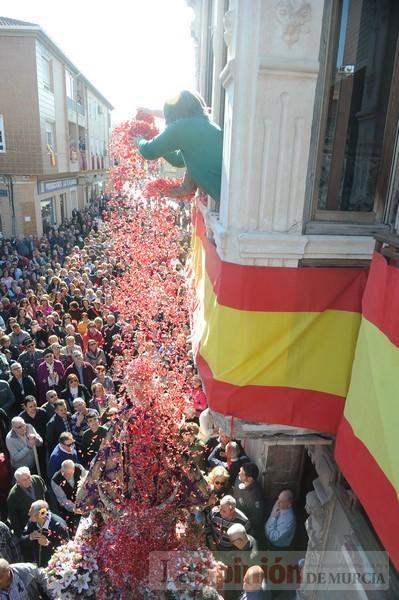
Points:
(228, 35)
(294, 17)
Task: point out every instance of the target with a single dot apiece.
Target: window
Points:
(50, 143)
(46, 73)
(63, 207)
(69, 85)
(359, 111)
(2, 136)
(47, 213)
(50, 138)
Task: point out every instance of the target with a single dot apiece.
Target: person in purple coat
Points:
(49, 375)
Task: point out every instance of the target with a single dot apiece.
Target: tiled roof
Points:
(6, 22)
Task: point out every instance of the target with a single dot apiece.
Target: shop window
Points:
(63, 207)
(47, 213)
(355, 123)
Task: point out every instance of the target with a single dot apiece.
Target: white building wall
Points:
(270, 86)
(98, 132)
(61, 131)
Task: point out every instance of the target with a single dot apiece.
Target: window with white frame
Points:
(69, 85)
(46, 72)
(2, 136)
(50, 137)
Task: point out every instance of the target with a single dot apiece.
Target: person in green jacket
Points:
(189, 140)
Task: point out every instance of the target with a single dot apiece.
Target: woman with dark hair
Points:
(189, 140)
(33, 306)
(75, 311)
(74, 389)
(38, 334)
(23, 318)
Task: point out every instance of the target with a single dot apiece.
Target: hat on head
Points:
(48, 351)
(28, 342)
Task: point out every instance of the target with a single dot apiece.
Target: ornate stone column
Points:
(270, 81)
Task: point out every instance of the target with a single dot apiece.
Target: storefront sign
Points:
(43, 187)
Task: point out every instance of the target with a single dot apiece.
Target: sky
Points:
(135, 52)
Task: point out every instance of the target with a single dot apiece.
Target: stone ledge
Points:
(272, 248)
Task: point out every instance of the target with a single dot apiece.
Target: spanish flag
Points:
(367, 447)
(274, 345)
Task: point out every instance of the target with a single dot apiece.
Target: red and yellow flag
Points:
(367, 448)
(275, 345)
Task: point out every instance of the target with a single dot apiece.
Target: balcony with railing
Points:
(76, 112)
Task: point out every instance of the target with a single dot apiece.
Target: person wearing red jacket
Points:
(92, 333)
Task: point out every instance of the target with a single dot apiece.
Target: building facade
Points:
(305, 91)
(54, 131)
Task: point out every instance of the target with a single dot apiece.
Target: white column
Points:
(270, 82)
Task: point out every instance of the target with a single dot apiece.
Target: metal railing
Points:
(75, 106)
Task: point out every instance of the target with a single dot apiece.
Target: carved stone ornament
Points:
(316, 523)
(294, 16)
(228, 25)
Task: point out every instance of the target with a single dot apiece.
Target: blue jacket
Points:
(57, 457)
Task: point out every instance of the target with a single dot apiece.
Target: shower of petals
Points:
(143, 481)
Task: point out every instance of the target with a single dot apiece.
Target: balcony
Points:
(76, 112)
(75, 106)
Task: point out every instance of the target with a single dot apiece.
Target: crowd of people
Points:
(60, 338)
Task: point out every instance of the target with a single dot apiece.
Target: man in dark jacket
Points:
(59, 423)
(110, 329)
(21, 385)
(84, 370)
(7, 399)
(64, 484)
(35, 416)
(23, 580)
(43, 533)
(250, 498)
(30, 357)
(27, 489)
(93, 436)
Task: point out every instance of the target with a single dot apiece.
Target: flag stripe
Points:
(372, 403)
(380, 301)
(271, 404)
(279, 349)
(377, 495)
(269, 289)
(367, 447)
